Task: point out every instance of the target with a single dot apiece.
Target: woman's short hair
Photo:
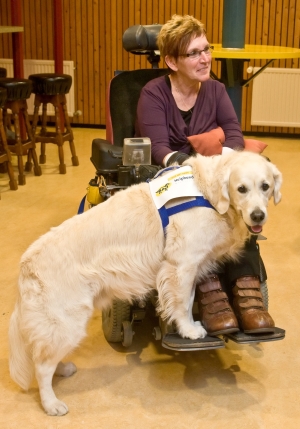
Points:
(177, 33)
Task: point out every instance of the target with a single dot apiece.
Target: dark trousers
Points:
(250, 264)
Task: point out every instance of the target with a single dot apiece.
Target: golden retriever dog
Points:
(118, 250)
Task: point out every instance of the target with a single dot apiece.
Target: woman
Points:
(186, 112)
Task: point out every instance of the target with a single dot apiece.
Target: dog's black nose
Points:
(257, 215)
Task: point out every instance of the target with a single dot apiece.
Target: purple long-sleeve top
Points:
(159, 118)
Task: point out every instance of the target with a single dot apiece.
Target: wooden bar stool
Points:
(5, 156)
(18, 91)
(52, 88)
(3, 72)
(7, 122)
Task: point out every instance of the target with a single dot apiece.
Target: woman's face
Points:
(195, 63)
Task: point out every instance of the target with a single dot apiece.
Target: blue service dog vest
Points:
(173, 190)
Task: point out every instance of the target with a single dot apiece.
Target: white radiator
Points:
(43, 66)
(276, 98)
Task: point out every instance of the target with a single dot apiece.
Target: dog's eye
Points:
(265, 186)
(242, 189)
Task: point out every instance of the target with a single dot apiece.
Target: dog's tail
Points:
(20, 362)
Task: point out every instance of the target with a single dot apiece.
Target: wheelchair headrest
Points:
(141, 39)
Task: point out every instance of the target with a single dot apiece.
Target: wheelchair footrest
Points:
(242, 338)
(173, 341)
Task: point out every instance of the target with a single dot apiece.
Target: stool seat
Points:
(51, 83)
(17, 89)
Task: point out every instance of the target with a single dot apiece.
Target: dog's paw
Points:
(193, 332)
(55, 408)
(65, 369)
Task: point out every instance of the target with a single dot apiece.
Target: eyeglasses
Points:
(196, 53)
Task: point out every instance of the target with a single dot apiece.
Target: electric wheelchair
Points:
(113, 174)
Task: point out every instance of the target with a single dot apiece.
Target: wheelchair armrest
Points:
(106, 157)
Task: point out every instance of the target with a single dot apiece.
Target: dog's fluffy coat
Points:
(118, 250)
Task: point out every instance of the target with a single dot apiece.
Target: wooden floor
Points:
(147, 386)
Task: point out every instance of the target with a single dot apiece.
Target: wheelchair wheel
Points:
(127, 334)
(112, 320)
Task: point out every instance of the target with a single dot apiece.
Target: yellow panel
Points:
(10, 29)
(258, 52)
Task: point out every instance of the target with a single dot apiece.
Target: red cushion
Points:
(209, 143)
(255, 145)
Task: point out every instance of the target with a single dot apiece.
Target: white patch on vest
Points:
(178, 183)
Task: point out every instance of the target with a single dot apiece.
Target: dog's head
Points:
(246, 183)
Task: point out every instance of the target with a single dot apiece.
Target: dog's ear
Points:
(212, 179)
(277, 184)
(220, 191)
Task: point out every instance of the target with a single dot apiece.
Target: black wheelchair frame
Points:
(111, 176)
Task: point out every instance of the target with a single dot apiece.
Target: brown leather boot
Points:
(216, 314)
(249, 307)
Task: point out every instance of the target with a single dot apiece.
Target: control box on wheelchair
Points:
(118, 168)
